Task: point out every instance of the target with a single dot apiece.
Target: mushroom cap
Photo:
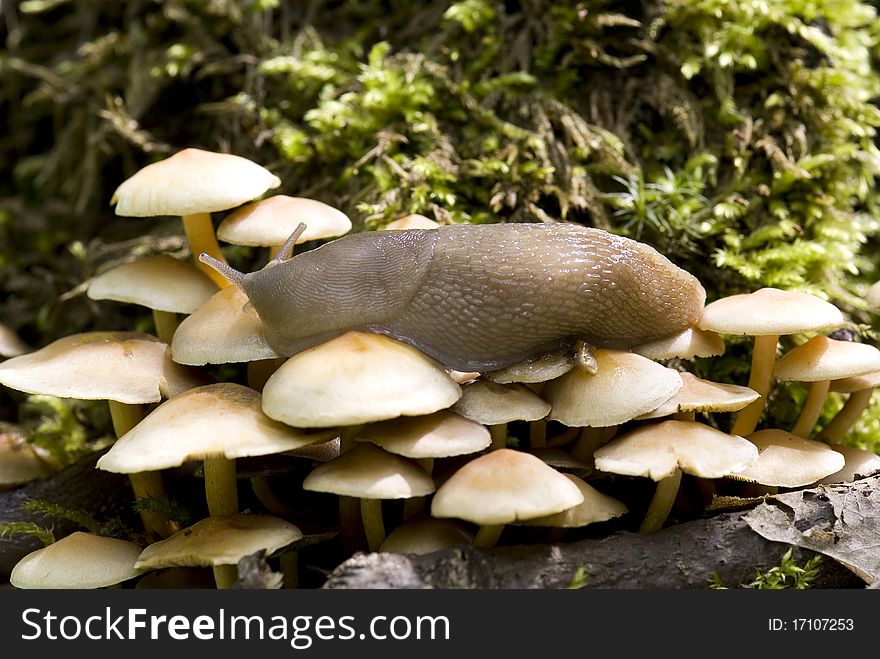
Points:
(219, 540)
(224, 330)
(859, 463)
(687, 344)
(368, 472)
(540, 368)
(438, 435)
(10, 343)
(270, 221)
(128, 367)
(872, 297)
(492, 404)
(20, 462)
(504, 486)
(216, 419)
(159, 282)
(699, 395)
(413, 221)
(624, 386)
(657, 450)
(822, 358)
(423, 535)
(786, 460)
(79, 560)
(561, 460)
(856, 383)
(357, 378)
(596, 507)
(768, 312)
(192, 181)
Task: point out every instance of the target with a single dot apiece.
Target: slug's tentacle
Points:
(285, 252)
(226, 270)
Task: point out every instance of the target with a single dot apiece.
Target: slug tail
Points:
(225, 270)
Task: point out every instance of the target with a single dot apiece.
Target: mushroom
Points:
(10, 343)
(165, 285)
(860, 389)
(496, 405)
(699, 395)
(819, 361)
(872, 297)
(193, 183)
(413, 221)
(20, 461)
(786, 460)
(423, 535)
(370, 474)
(596, 507)
(859, 464)
(501, 487)
(662, 451)
(78, 561)
(766, 314)
(687, 344)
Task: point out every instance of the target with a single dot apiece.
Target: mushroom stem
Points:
(225, 576)
(374, 526)
(760, 379)
(273, 503)
(488, 535)
(840, 425)
(146, 484)
(416, 505)
(200, 235)
(661, 503)
(812, 409)
(166, 323)
(221, 488)
(538, 433)
(498, 433)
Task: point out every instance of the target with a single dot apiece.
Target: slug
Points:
(473, 297)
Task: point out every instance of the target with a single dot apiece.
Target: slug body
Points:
(476, 297)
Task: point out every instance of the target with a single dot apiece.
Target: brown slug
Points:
(474, 297)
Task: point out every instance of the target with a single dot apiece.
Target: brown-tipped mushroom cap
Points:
(128, 367)
(856, 383)
(770, 311)
(77, 561)
(687, 344)
(414, 221)
(357, 378)
(786, 460)
(491, 404)
(159, 282)
(220, 540)
(822, 358)
(368, 472)
(540, 368)
(657, 450)
(624, 386)
(10, 343)
(699, 395)
(596, 507)
(859, 464)
(223, 330)
(270, 221)
(423, 535)
(217, 419)
(192, 181)
(438, 435)
(504, 486)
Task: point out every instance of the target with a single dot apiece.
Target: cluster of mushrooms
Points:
(376, 420)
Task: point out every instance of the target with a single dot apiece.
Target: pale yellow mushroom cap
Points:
(687, 344)
(502, 487)
(438, 435)
(414, 221)
(220, 540)
(128, 367)
(77, 561)
(786, 460)
(856, 383)
(159, 282)
(822, 358)
(224, 330)
(217, 419)
(770, 311)
(657, 450)
(596, 507)
(699, 395)
(423, 535)
(10, 343)
(540, 368)
(872, 297)
(624, 386)
(192, 181)
(269, 222)
(859, 463)
(357, 378)
(492, 404)
(20, 461)
(368, 472)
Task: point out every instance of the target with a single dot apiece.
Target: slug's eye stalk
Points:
(231, 274)
(285, 252)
